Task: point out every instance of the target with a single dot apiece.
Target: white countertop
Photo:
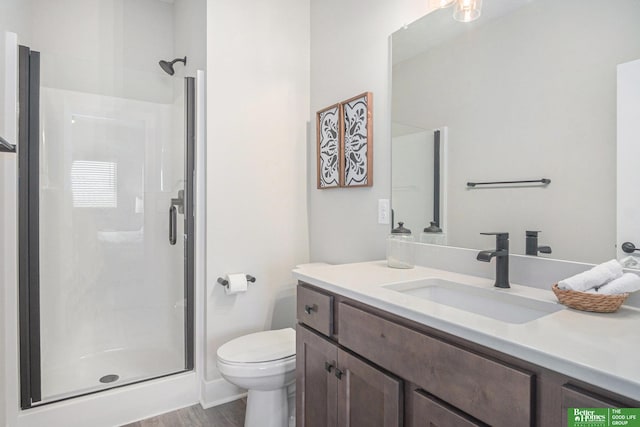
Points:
(599, 348)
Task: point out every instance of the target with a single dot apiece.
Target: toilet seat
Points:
(279, 367)
(259, 348)
(259, 355)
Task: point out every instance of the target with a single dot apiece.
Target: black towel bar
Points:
(543, 181)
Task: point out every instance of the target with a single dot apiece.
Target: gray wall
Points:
(497, 90)
(349, 55)
(257, 108)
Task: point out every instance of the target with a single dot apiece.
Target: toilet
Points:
(264, 363)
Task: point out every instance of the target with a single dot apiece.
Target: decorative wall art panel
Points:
(329, 152)
(356, 132)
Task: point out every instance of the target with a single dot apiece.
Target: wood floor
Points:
(228, 415)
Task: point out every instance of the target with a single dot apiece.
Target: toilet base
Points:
(291, 401)
(267, 408)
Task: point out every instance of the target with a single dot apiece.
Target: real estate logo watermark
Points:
(589, 417)
(603, 417)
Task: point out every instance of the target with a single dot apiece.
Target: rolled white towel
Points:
(597, 276)
(629, 282)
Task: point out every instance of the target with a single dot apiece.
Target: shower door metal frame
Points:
(189, 220)
(29, 232)
(29, 225)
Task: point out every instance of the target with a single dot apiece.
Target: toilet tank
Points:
(284, 309)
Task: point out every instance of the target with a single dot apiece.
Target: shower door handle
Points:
(177, 205)
(173, 225)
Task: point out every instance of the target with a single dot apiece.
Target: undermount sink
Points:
(489, 302)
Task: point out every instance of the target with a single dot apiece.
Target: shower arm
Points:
(6, 146)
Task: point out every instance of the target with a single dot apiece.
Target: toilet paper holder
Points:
(225, 282)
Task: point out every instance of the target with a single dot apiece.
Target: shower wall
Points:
(108, 47)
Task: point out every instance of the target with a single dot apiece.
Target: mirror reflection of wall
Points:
(527, 92)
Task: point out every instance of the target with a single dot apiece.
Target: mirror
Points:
(526, 92)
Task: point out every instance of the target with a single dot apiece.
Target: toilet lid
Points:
(260, 347)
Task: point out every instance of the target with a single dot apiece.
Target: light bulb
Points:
(467, 10)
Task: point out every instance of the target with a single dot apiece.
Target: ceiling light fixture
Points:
(440, 4)
(467, 10)
(463, 11)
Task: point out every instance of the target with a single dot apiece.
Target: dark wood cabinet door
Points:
(367, 396)
(428, 411)
(316, 383)
(574, 397)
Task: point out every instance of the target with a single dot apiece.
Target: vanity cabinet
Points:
(446, 380)
(428, 411)
(486, 389)
(336, 388)
(574, 397)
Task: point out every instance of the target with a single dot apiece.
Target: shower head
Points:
(168, 66)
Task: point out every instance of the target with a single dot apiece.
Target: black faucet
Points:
(502, 258)
(532, 247)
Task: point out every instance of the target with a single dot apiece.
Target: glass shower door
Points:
(113, 175)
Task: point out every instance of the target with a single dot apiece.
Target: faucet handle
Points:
(629, 247)
(500, 235)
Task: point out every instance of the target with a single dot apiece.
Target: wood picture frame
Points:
(329, 147)
(356, 136)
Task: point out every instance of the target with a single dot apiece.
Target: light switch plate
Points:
(384, 211)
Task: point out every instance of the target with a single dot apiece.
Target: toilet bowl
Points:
(264, 363)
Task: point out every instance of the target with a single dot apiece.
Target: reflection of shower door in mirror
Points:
(111, 296)
(419, 180)
(628, 151)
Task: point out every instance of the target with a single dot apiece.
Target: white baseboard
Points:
(219, 391)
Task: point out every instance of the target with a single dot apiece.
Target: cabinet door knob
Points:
(338, 373)
(309, 308)
(328, 366)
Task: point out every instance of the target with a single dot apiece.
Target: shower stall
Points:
(106, 159)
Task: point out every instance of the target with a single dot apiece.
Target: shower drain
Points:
(109, 378)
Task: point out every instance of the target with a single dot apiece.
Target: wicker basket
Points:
(589, 302)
